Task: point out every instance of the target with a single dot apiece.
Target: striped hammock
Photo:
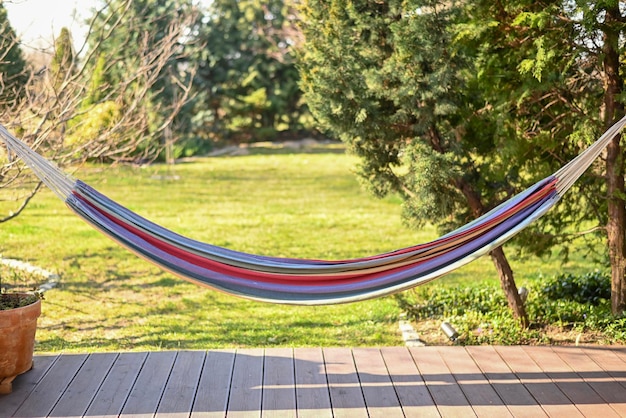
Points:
(303, 281)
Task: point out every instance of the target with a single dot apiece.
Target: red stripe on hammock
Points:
(315, 279)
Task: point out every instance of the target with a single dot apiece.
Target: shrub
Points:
(87, 127)
(439, 302)
(480, 313)
(591, 288)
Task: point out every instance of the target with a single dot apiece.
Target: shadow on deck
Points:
(327, 382)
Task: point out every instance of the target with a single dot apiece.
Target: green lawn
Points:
(292, 205)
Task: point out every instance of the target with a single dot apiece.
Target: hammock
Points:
(304, 281)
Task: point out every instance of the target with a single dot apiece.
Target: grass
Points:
(292, 205)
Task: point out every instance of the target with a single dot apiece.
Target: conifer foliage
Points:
(13, 74)
(387, 78)
(247, 79)
(458, 105)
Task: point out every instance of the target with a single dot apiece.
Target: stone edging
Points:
(409, 335)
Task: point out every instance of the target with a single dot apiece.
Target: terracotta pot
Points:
(17, 341)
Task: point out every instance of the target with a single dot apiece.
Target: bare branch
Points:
(56, 116)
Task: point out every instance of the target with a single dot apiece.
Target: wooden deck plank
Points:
(515, 395)
(605, 385)
(448, 396)
(213, 389)
(182, 385)
(85, 386)
(145, 396)
(619, 351)
(312, 393)
(246, 387)
(279, 385)
(380, 397)
(50, 388)
(610, 362)
(570, 383)
(408, 383)
(117, 385)
(540, 386)
(327, 382)
(24, 384)
(346, 396)
(477, 389)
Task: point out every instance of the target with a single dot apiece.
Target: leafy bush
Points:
(480, 313)
(591, 288)
(88, 126)
(440, 302)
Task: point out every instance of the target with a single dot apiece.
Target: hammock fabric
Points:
(302, 281)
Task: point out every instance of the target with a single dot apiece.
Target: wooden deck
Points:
(385, 382)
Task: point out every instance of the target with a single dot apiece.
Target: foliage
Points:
(13, 75)
(17, 288)
(389, 80)
(533, 70)
(62, 64)
(440, 302)
(578, 303)
(554, 71)
(591, 288)
(101, 119)
(95, 91)
(141, 26)
(12, 301)
(247, 81)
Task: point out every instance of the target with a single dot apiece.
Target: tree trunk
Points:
(505, 272)
(507, 282)
(616, 227)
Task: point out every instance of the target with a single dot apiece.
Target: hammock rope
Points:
(306, 281)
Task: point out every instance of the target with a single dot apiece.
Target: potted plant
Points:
(19, 310)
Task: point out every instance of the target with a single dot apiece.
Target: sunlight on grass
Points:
(291, 205)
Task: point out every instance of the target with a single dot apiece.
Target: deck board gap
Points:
(430, 392)
(195, 394)
(104, 378)
(230, 383)
(167, 380)
(330, 398)
(295, 380)
(130, 389)
(262, 383)
(68, 384)
(358, 377)
(393, 386)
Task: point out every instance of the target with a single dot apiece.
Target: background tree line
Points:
(455, 106)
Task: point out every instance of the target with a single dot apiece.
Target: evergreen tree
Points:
(247, 80)
(62, 64)
(555, 72)
(97, 88)
(387, 78)
(13, 70)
